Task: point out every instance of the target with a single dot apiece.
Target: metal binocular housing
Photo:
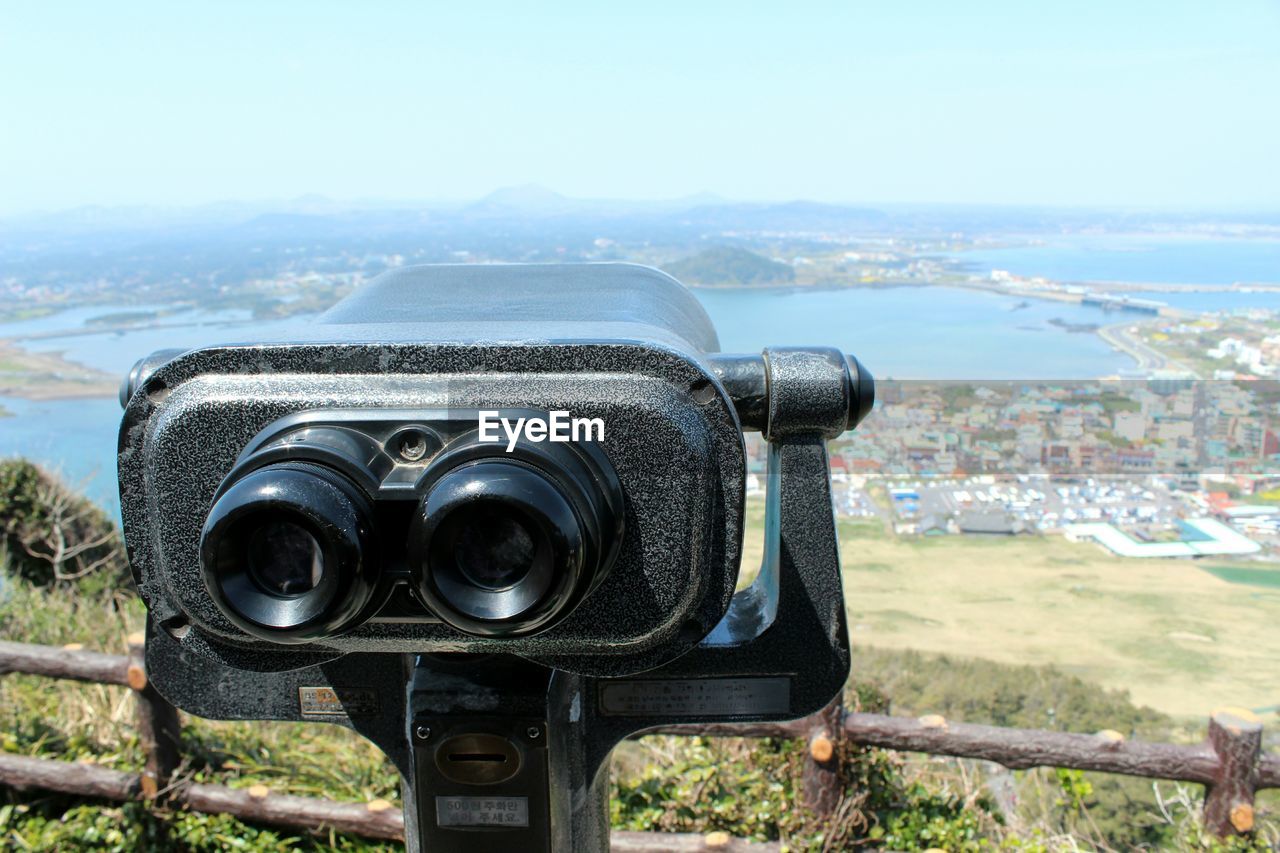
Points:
(491, 517)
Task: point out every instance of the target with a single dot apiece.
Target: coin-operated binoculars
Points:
(491, 518)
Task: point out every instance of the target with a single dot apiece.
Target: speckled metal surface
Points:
(672, 440)
(814, 395)
(809, 391)
(524, 303)
(680, 449)
(407, 341)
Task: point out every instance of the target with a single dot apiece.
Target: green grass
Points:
(1181, 638)
(69, 721)
(1247, 575)
(855, 530)
(748, 788)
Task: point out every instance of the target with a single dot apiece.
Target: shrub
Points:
(53, 535)
(751, 788)
(972, 690)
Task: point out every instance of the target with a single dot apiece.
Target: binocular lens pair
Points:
(297, 551)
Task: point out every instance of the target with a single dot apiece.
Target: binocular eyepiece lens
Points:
(493, 548)
(286, 552)
(496, 548)
(504, 547)
(285, 559)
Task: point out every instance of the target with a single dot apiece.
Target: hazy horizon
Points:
(693, 198)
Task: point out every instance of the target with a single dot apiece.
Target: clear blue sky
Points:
(1111, 103)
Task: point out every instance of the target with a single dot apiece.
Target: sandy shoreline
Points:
(85, 391)
(49, 376)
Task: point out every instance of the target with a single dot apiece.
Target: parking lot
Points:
(1144, 507)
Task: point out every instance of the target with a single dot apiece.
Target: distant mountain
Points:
(157, 220)
(536, 208)
(526, 204)
(528, 198)
(729, 265)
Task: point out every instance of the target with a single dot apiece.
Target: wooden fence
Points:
(1230, 763)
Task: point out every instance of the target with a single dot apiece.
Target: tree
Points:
(53, 535)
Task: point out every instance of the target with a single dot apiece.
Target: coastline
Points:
(98, 391)
(41, 376)
(1100, 286)
(49, 376)
(1146, 359)
(1114, 284)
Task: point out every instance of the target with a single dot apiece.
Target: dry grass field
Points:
(1177, 637)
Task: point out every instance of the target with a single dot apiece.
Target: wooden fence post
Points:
(159, 730)
(821, 782)
(1236, 737)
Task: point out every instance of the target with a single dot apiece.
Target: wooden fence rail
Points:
(1230, 763)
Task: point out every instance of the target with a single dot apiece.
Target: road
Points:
(1118, 337)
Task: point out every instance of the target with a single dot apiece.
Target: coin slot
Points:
(478, 759)
(478, 756)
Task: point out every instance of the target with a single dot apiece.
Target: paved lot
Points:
(1142, 506)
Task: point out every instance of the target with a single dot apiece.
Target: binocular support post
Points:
(781, 652)
(500, 754)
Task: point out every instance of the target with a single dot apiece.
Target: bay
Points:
(902, 332)
(911, 332)
(75, 439)
(1148, 259)
(921, 332)
(116, 351)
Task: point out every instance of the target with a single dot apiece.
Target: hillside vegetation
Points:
(748, 788)
(726, 265)
(1173, 634)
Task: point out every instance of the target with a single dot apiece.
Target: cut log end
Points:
(1242, 817)
(1236, 720)
(821, 748)
(1110, 735)
(147, 785)
(136, 676)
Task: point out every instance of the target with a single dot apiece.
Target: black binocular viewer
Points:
(335, 520)
(489, 504)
